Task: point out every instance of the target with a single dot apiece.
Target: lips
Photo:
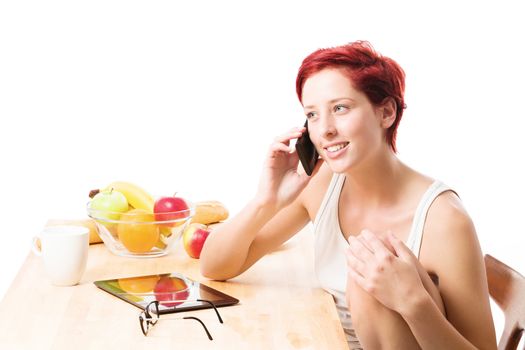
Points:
(336, 147)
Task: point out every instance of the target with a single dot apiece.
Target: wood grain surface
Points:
(281, 306)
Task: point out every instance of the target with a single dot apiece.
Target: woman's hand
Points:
(280, 182)
(390, 274)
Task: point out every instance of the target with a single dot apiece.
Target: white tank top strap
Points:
(334, 188)
(416, 232)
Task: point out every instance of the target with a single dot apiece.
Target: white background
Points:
(187, 97)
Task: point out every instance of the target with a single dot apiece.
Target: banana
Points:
(137, 197)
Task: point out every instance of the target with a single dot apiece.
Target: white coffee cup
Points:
(64, 250)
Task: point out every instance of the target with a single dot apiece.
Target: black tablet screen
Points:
(174, 292)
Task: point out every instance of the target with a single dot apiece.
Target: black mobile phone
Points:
(306, 151)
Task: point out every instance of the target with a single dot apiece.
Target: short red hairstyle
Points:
(377, 76)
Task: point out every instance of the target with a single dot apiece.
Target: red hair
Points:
(377, 76)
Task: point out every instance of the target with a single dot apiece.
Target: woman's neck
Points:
(378, 181)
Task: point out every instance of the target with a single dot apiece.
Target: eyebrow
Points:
(332, 101)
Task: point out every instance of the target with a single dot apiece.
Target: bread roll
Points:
(208, 212)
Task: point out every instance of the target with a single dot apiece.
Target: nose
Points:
(327, 126)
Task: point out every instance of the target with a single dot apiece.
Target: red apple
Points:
(171, 208)
(170, 289)
(193, 239)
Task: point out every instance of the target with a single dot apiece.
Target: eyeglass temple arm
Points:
(142, 326)
(202, 323)
(214, 308)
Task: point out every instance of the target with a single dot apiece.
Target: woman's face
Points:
(343, 125)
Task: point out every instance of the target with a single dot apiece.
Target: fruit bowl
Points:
(139, 233)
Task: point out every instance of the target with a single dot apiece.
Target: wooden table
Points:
(281, 306)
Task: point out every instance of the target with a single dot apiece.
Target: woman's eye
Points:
(340, 108)
(310, 115)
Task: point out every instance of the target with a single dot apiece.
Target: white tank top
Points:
(331, 246)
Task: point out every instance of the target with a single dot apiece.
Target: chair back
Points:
(507, 289)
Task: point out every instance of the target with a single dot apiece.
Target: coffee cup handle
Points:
(37, 250)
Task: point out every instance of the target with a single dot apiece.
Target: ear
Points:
(387, 112)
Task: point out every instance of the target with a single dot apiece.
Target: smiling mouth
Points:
(337, 147)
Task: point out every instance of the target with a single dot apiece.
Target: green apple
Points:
(109, 205)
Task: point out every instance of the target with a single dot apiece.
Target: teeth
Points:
(337, 147)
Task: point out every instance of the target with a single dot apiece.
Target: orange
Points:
(136, 232)
(138, 284)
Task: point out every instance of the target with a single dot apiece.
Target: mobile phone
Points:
(306, 151)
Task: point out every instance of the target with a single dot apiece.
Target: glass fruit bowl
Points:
(139, 233)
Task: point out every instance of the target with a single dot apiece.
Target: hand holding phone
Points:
(306, 151)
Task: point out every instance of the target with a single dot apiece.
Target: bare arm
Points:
(451, 250)
(272, 217)
(458, 260)
(255, 231)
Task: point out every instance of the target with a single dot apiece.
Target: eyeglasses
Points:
(150, 316)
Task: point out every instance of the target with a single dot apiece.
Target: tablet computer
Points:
(173, 291)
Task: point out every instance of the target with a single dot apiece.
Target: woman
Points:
(364, 204)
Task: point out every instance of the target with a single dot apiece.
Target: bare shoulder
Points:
(447, 214)
(449, 232)
(451, 250)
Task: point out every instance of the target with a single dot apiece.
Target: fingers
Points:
(356, 276)
(282, 142)
(386, 242)
(362, 258)
(400, 249)
(290, 135)
(359, 248)
(367, 251)
(279, 147)
(355, 268)
(375, 244)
